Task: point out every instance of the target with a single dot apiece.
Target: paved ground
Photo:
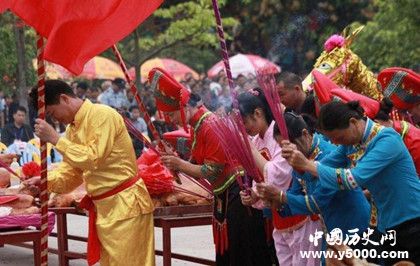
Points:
(195, 241)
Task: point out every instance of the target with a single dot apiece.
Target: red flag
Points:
(4, 4)
(78, 30)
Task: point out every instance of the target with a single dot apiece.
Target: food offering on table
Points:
(19, 204)
(18, 199)
(158, 179)
(71, 199)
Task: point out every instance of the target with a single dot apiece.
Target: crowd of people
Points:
(344, 164)
(342, 167)
(116, 93)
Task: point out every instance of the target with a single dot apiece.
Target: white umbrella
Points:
(244, 64)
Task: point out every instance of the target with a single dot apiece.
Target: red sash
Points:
(288, 223)
(292, 222)
(94, 245)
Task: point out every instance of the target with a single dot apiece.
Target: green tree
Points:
(183, 30)
(9, 53)
(392, 38)
(8, 58)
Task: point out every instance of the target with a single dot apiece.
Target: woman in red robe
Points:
(238, 231)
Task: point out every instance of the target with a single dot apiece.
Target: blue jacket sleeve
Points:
(336, 158)
(310, 204)
(381, 152)
(296, 187)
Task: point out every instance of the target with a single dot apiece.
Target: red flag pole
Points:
(134, 90)
(224, 51)
(141, 105)
(239, 134)
(41, 114)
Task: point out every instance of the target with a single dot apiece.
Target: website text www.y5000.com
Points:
(354, 253)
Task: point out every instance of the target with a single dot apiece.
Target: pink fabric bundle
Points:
(19, 221)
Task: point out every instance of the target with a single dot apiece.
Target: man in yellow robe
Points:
(97, 150)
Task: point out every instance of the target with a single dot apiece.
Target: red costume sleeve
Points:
(412, 142)
(208, 152)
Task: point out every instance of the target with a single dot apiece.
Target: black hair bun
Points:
(295, 124)
(310, 121)
(353, 105)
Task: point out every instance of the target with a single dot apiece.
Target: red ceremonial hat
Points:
(326, 91)
(401, 85)
(170, 95)
(370, 106)
(323, 86)
(7, 199)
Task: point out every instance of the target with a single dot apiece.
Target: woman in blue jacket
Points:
(373, 157)
(345, 210)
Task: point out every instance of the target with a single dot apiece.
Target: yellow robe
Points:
(97, 149)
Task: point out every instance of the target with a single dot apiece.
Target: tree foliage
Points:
(8, 54)
(392, 38)
(180, 30)
(8, 60)
(289, 32)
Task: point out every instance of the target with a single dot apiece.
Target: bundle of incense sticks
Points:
(234, 140)
(159, 185)
(157, 177)
(137, 134)
(267, 82)
(202, 183)
(231, 129)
